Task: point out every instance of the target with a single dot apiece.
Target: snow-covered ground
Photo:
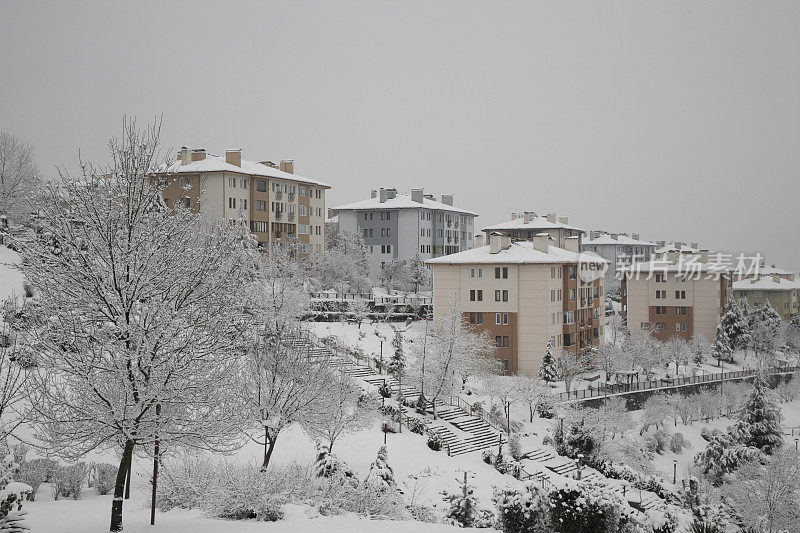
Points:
(11, 280)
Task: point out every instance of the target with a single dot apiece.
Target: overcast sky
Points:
(677, 120)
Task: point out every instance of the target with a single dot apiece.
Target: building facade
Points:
(662, 297)
(395, 225)
(525, 226)
(276, 204)
(782, 291)
(619, 249)
(524, 294)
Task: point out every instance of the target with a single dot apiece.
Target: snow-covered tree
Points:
(139, 307)
(282, 383)
(532, 391)
(346, 409)
(793, 334)
(418, 273)
(455, 350)
(360, 309)
(19, 177)
(767, 497)
(722, 349)
(677, 351)
(276, 294)
(381, 475)
(764, 324)
(325, 464)
(13, 378)
(735, 323)
(759, 423)
(524, 510)
(571, 365)
(548, 370)
(394, 273)
(699, 347)
(463, 506)
(344, 265)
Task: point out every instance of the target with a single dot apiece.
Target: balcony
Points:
(279, 195)
(291, 215)
(290, 197)
(449, 223)
(278, 215)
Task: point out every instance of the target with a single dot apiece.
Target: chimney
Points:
(694, 245)
(233, 157)
(528, 216)
(571, 244)
(704, 256)
(635, 236)
(498, 242)
(563, 220)
(541, 241)
(447, 199)
(391, 193)
(552, 217)
(287, 165)
(199, 154)
(672, 256)
(615, 236)
(373, 193)
(383, 194)
(185, 156)
(593, 234)
(416, 195)
(776, 278)
(478, 240)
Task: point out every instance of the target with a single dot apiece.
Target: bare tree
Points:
(454, 351)
(19, 176)
(13, 377)
(676, 350)
(347, 409)
(532, 391)
(767, 497)
(137, 308)
(572, 365)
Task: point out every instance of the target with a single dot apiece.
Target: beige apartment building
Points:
(274, 202)
(671, 297)
(524, 294)
(525, 226)
(779, 289)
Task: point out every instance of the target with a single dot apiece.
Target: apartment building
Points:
(274, 202)
(619, 249)
(401, 225)
(524, 294)
(673, 297)
(780, 289)
(526, 225)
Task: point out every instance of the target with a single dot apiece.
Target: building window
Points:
(472, 295)
(505, 272)
(498, 341)
(261, 205)
(480, 295)
(505, 365)
(505, 341)
(505, 296)
(496, 296)
(480, 318)
(187, 202)
(497, 272)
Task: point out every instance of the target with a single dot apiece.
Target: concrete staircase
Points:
(479, 434)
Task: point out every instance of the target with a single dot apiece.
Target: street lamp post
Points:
(508, 419)
(674, 471)
(795, 444)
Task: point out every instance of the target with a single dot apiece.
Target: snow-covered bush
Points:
(662, 522)
(514, 446)
(244, 492)
(326, 464)
(579, 439)
(658, 441)
(185, 484)
(523, 510)
(102, 477)
(416, 425)
(589, 508)
(36, 472)
(68, 480)
(434, 442)
(546, 408)
(381, 475)
(677, 443)
(12, 494)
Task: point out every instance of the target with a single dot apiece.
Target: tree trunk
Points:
(119, 487)
(128, 479)
(269, 447)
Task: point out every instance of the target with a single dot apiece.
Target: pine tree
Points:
(397, 363)
(381, 474)
(759, 423)
(463, 509)
(764, 326)
(548, 370)
(793, 333)
(734, 322)
(325, 465)
(722, 349)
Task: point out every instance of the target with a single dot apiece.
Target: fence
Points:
(377, 300)
(539, 476)
(624, 388)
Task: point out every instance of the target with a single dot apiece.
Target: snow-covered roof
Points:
(766, 283)
(400, 201)
(520, 252)
(682, 248)
(217, 163)
(689, 266)
(536, 223)
(606, 238)
(769, 270)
